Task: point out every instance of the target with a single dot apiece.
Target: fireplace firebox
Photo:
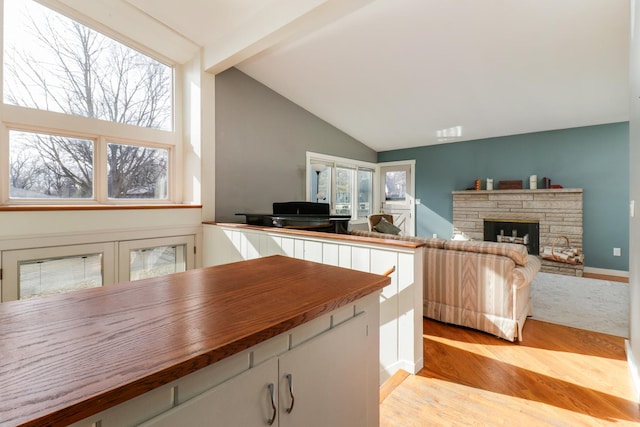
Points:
(514, 231)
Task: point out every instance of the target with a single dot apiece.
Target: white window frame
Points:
(101, 131)
(343, 162)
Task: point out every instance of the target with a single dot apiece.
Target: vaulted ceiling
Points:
(404, 73)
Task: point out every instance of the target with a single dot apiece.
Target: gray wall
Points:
(594, 158)
(261, 144)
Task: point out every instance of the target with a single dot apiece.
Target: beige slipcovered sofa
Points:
(480, 285)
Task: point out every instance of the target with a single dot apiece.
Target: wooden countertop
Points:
(322, 235)
(65, 357)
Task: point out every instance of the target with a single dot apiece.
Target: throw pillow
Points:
(386, 227)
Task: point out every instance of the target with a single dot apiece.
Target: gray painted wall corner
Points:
(261, 144)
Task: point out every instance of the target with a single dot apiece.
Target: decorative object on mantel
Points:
(510, 185)
(567, 255)
(489, 183)
(477, 185)
(556, 186)
(547, 182)
(533, 182)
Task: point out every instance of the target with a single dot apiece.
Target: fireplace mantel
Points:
(558, 210)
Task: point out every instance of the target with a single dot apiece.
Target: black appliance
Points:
(301, 216)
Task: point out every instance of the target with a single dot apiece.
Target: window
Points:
(347, 185)
(49, 166)
(136, 172)
(344, 190)
(56, 64)
(395, 186)
(365, 193)
(116, 140)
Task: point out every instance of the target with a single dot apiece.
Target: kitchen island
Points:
(173, 348)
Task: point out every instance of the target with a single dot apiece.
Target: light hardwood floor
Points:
(557, 376)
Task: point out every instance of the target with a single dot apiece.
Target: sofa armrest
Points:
(523, 275)
(518, 253)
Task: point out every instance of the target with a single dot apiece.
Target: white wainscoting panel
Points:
(400, 302)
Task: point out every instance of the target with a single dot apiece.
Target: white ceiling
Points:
(405, 73)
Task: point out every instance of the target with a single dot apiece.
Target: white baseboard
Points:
(633, 368)
(405, 365)
(606, 272)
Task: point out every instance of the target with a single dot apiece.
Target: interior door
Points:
(397, 194)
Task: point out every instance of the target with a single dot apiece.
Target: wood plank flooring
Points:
(557, 376)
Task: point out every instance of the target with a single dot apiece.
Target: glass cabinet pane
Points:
(157, 261)
(56, 275)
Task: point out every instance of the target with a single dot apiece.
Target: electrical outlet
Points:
(616, 251)
(435, 235)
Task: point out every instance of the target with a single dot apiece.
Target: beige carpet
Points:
(591, 304)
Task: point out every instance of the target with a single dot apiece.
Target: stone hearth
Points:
(558, 211)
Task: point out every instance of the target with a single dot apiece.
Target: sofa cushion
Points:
(518, 253)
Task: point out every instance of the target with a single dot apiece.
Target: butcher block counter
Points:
(67, 357)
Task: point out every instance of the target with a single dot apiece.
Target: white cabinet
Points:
(328, 377)
(245, 400)
(324, 381)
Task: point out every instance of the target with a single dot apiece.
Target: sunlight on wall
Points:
(428, 223)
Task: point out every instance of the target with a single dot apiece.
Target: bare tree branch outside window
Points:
(55, 64)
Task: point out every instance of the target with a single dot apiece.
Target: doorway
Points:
(397, 193)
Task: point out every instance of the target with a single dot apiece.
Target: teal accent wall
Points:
(594, 158)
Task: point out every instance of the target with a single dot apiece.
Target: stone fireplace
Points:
(523, 232)
(557, 212)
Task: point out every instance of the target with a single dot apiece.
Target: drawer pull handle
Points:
(271, 420)
(290, 381)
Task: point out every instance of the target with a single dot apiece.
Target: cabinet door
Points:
(328, 379)
(244, 400)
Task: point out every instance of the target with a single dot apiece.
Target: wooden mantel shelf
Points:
(521, 190)
(66, 357)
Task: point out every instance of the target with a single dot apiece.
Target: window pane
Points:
(158, 261)
(344, 190)
(53, 63)
(52, 276)
(323, 182)
(365, 193)
(49, 166)
(395, 186)
(136, 172)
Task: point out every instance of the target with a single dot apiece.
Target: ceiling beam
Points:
(279, 22)
(119, 18)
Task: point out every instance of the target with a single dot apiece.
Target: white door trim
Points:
(410, 191)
